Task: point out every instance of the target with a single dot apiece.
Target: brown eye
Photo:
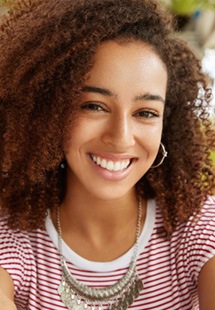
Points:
(92, 107)
(147, 114)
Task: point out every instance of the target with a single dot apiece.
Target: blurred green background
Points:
(187, 7)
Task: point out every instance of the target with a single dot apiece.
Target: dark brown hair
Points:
(46, 49)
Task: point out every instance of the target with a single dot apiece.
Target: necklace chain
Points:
(126, 289)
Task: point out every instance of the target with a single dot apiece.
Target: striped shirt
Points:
(169, 269)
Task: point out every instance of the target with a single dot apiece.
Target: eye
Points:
(147, 113)
(92, 106)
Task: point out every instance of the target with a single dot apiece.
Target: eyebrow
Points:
(98, 90)
(109, 93)
(148, 96)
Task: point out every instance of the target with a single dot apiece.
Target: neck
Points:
(91, 213)
(89, 223)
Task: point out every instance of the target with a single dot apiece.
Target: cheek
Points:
(150, 143)
(70, 138)
(76, 136)
(151, 134)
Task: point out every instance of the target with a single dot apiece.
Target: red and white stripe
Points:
(169, 268)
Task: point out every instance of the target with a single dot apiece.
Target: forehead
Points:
(135, 53)
(128, 66)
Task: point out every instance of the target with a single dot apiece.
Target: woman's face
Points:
(119, 121)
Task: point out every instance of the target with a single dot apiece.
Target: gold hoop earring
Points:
(164, 155)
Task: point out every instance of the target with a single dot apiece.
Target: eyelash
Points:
(93, 106)
(147, 114)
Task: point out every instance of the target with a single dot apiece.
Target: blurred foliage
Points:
(213, 157)
(5, 6)
(188, 7)
(5, 1)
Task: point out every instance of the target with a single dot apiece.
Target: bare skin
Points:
(206, 286)
(6, 291)
(88, 239)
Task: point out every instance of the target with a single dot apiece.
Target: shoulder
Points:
(195, 239)
(201, 226)
(15, 247)
(12, 238)
(20, 243)
(18, 252)
(208, 207)
(201, 223)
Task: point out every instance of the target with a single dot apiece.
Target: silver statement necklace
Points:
(78, 296)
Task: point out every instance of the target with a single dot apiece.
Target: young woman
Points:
(106, 180)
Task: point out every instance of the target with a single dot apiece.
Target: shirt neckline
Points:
(121, 262)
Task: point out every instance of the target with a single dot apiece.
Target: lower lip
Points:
(112, 175)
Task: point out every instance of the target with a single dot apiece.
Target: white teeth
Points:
(103, 163)
(123, 165)
(117, 166)
(111, 165)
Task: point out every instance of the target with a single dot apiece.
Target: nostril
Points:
(119, 139)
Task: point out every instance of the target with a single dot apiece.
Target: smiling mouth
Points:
(110, 165)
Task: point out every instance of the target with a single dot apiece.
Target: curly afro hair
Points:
(46, 50)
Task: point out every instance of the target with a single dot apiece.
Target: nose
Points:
(119, 132)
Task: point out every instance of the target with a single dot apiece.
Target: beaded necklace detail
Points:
(119, 296)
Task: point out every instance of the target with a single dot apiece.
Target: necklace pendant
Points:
(66, 299)
(137, 288)
(70, 300)
(123, 304)
(62, 287)
(73, 304)
(129, 298)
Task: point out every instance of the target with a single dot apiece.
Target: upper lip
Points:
(113, 157)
